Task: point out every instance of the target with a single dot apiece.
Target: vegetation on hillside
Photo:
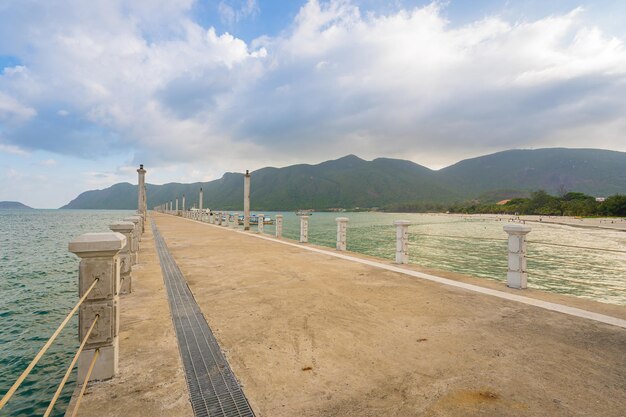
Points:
(542, 203)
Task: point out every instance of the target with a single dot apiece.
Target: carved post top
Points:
(134, 219)
(97, 244)
(141, 170)
(122, 227)
(341, 219)
(517, 229)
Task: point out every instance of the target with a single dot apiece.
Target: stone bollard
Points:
(225, 220)
(304, 228)
(342, 229)
(219, 218)
(402, 241)
(134, 249)
(279, 225)
(142, 222)
(127, 229)
(260, 222)
(211, 218)
(246, 201)
(516, 277)
(98, 253)
(235, 220)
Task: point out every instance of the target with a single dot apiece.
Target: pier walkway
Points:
(308, 334)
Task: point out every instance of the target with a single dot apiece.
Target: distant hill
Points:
(14, 205)
(351, 182)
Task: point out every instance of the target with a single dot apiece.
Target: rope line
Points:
(574, 264)
(463, 237)
(70, 368)
(43, 350)
(84, 387)
(575, 246)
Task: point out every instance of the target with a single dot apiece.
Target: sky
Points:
(192, 89)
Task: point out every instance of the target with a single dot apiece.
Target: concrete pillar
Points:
(246, 201)
(342, 231)
(98, 253)
(211, 217)
(176, 209)
(127, 229)
(402, 241)
(134, 248)
(141, 191)
(183, 203)
(279, 225)
(200, 200)
(219, 218)
(235, 220)
(516, 277)
(261, 222)
(304, 228)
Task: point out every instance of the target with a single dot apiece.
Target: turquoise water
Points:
(39, 277)
(39, 286)
(477, 246)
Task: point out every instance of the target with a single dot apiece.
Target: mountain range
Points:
(14, 205)
(351, 182)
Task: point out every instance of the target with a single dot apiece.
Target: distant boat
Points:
(254, 219)
(308, 212)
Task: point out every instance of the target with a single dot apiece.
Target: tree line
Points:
(539, 203)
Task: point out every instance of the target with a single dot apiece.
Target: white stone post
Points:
(235, 220)
(402, 241)
(127, 229)
(141, 191)
(304, 228)
(98, 253)
(176, 209)
(342, 230)
(200, 200)
(279, 225)
(134, 248)
(516, 277)
(183, 203)
(246, 201)
(261, 222)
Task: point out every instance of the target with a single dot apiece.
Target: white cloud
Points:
(231, 14)
(48, 162)
(13, 150)
(148, 79)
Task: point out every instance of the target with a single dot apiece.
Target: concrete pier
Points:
(309, 333)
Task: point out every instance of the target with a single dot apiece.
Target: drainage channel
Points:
(213, 388)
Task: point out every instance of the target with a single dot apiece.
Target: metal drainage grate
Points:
(213, 389)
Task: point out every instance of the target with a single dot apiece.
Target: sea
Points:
(39, 277)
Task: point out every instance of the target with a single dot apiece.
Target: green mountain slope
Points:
(591, 171)
(13, 205)
(353, 182)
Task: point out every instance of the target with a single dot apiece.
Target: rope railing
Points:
(463, 237)
(539, 242)
(84, 387)
(574, 264)
(45, 347)
(70, 368)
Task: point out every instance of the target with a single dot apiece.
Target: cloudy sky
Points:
(191, 89)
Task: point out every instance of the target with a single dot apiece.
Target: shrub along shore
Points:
(539, 203)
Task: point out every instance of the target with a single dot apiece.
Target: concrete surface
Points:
(312, 335)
